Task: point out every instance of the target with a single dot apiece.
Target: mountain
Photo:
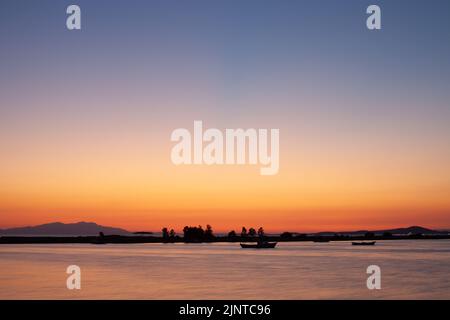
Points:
(409, 230)
(401, 231)
(65, 229)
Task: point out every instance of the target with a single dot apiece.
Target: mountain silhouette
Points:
(69, 229)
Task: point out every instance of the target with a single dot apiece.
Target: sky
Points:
(86, 115)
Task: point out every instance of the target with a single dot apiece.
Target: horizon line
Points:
(232, 229)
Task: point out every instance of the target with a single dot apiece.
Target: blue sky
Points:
(373, 101)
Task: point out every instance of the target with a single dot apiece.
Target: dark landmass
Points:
(398, 231)
(64, 229)
(200, 235)
(151, 239)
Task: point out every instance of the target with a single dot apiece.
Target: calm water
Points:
(410, 269)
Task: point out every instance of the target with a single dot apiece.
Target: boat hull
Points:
(371, 243)
(267, 245)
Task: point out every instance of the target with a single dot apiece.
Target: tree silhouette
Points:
(232, 234)
(244, 232)
(195, 234)
(251, 232)
(172, 233)
(209, 233)
(165, 233)
(261, 232)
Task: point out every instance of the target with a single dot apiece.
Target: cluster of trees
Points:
(168, 235)
(244, 233)
(190, 234)
(198, 234)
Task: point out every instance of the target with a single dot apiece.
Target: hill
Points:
(398, 231)
(69, 229)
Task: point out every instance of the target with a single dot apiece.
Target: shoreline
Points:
(116, 239)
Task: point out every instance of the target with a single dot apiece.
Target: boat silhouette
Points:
(259, 245)
(364, 243)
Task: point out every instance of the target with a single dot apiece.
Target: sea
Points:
(409, 269)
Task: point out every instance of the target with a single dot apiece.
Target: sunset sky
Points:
(364, 116)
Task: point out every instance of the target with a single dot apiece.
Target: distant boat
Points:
(364, 243)
(259, 245)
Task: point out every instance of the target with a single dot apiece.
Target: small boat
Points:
(363, 243)
(259, 245)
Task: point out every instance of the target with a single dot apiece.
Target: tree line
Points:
(198, 234)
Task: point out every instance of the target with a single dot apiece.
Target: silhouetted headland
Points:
(197, 234)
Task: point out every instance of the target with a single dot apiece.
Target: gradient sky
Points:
(364, 116)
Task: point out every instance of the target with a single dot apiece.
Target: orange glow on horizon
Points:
(136, 195)
(124, 178)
